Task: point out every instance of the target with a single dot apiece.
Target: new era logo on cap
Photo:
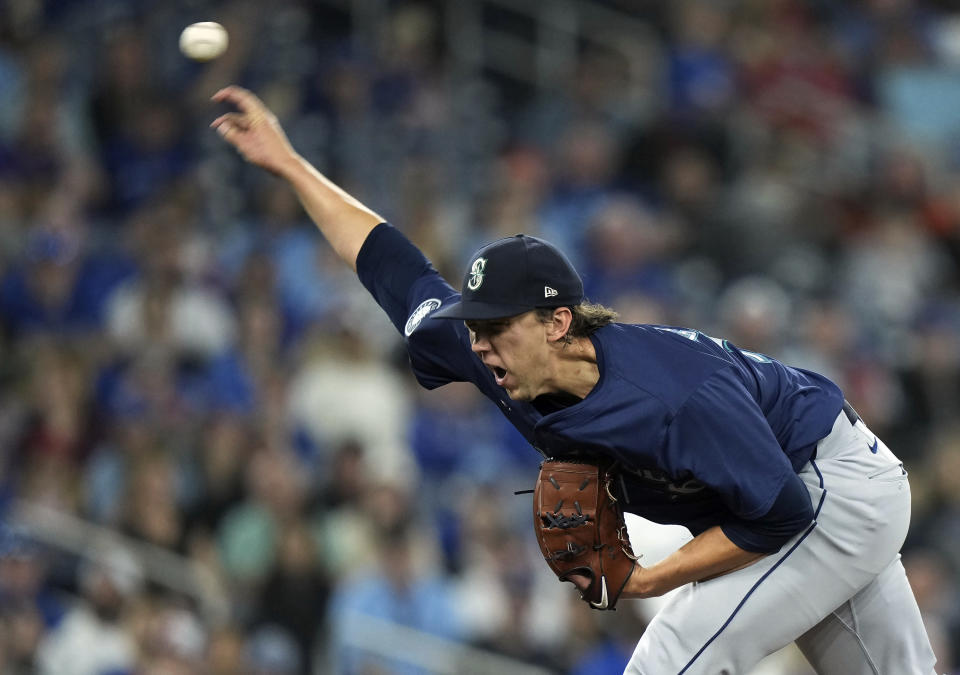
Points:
(514, 275)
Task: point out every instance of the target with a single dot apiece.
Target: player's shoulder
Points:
(659, 339)
(657, 359)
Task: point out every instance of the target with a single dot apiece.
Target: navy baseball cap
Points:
(514, 275)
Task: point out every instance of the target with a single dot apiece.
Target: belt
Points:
(851, 414)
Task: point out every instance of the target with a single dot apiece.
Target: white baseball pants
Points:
(837, 589)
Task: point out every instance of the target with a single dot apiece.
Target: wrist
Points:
(290, 165)
(640, 584)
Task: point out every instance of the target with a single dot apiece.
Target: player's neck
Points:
(575, 369)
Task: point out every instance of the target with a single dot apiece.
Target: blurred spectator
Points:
(629, 250)
(294, 593)
(271, 651)
(825, 342)
(931, 369)
(609, 644)
(939, 526)
(403, 590)
(794, 79)
(94, 636)
(59, 288)
(23, 577)
(304, 276)
(164, 305)
(45, 145)
(755, 314)
(501, 595)
(28, 606)
(586, 159)
(939, 601)
(701, 74)
(249, 535)
(344, 531)
(152, 511)
(138, 125)
(890, 268)
(225, 652)
(130, 439)
(21, 629)
(510, 201)
(58, 427)
(490, 449)
(224, 448)
(171, 640)
(339, 390)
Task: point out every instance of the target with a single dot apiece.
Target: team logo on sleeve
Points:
(422, 310)
(476, 273)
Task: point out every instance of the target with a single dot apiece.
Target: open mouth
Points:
(499, 373)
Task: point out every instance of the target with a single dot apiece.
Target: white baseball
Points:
(203, 41)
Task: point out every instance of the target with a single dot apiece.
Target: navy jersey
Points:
(709, 434)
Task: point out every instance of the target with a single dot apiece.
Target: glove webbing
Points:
(558, 520)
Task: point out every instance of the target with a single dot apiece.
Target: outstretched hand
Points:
(253, 130)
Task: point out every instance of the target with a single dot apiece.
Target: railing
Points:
(545, 59)
(401, 644)
(82, 538)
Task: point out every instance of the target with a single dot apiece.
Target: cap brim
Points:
(468, 311)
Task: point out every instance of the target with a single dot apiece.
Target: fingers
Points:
(227, 126)
(252, 111)
(245, 100)
(236, 120)
(226, 129)
(252, 129)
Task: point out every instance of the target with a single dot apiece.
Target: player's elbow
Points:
(761, 538)
(790, 515)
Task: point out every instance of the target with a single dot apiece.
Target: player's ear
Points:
(559, 324)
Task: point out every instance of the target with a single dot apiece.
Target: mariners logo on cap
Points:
(476, 273)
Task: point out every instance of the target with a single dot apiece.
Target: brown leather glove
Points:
(580, 529)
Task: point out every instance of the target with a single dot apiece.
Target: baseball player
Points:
(798, 510)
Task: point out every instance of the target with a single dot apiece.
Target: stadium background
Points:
(212, 457)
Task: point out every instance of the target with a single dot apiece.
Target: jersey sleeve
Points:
(408, 288)
(722, 437)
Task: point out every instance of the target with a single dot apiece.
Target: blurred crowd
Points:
(184, 362)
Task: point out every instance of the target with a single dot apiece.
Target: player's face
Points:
(516, 351)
